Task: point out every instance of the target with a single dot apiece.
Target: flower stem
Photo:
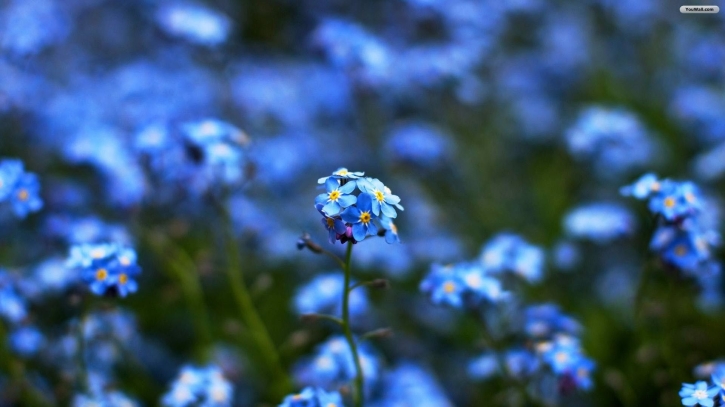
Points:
(251, 318)
(358, 394)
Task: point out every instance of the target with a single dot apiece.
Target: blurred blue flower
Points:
(391, 230)
(332, 366)
(510, 252)
(13, 307)
(29, 26)
(103, 398)
(323, 295)
(193, 22)
(202, 386)
(108, 269)
(643, 188)
(565, 358)
(419, 144)
(546, 320)
(26, 341)
(409, 384)
(483, 367)
(613, 140)
(698, 394)
(313, 397)
(461, 285)
(566, 255)
(710, 165)
(600, 222)
(19, 187)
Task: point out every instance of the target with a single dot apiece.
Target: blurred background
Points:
(525, 117)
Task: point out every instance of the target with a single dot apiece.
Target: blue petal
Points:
(388, 211)
(351, 215)
(690, 401)
(348, 188)
(358, 231)
(347, 200)
(339, 226)
(392, 199)
(321, 199)
(376, 207)
(331, 208)
(365, 202)
(331, 184)
(372, 229)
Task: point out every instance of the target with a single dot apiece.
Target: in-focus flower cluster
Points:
(686, 231)
(19, 189)
(108, 269)
(350, 217)
(705, 393)
(199, 386)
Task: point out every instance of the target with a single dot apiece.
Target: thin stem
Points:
(184, 269)
(358, 394)
(250, 316)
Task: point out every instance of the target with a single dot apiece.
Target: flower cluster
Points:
(333, 366)
(199, 386)
(350, 217)
(551, 347)
(18, 188)
(313, 397)
(462, 285)
(108, 269)
(705, 393)
(685, 234)
(197, 155)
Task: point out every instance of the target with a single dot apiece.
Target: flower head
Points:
(313, 397)
(342, 174)
(383, 199)
(698, 394)
(108, 269)
(336, 197)
(361, 217)
(194, 386)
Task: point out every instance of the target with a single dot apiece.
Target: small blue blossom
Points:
(203, 386)
(337, 197)
(675, 200)
(546, 320)
(361, 217)
(193, 22)
(26, 341)
(411, 385)
(600, 222)
(383, 199)
(13, 307)
(645, 186)
(391, 231)
(108, 269)
(332, 366)
(342, 174)
(334, 225)
(509, 252)
(10, 172)
(25, 196)
(698, 394)
(103, 398)
(313, 397)
(459, 285)
(322, 296)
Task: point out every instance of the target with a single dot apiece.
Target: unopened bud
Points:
(379, 333)
(306, 241)
(380, 283)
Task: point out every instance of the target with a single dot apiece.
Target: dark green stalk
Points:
(358, 392)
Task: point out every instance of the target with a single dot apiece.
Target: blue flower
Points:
(391, 231)
(509, 252)
(313, 397)
(203, 386)
(26, 341)
(323, 293)
(10, 172)
(600, 222)
(334, 225)
(337, 197)
(643, 188)
(698, 394)
(195, 23)
(675, 200)
(546, 320)
(103, 398)
(107, 269)
(25, 196)
(383, 199)
(361, 217)
(341, 174)
(459, 285)
(411, 385)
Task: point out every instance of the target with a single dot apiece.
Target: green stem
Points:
(251, 318)
(358, 393)
(184, 270)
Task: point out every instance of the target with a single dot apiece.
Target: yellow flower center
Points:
(123, 278)
(690, 197)
(681, 250)
(334, 195)
(98, 253)
(669, 202)
(23, 194)
(101, 274)
(449, 287)
(561, 357)
(342, 172)
(330, 222)
(297, 397)
(379, 196)
(699, 394)
(365, 217)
